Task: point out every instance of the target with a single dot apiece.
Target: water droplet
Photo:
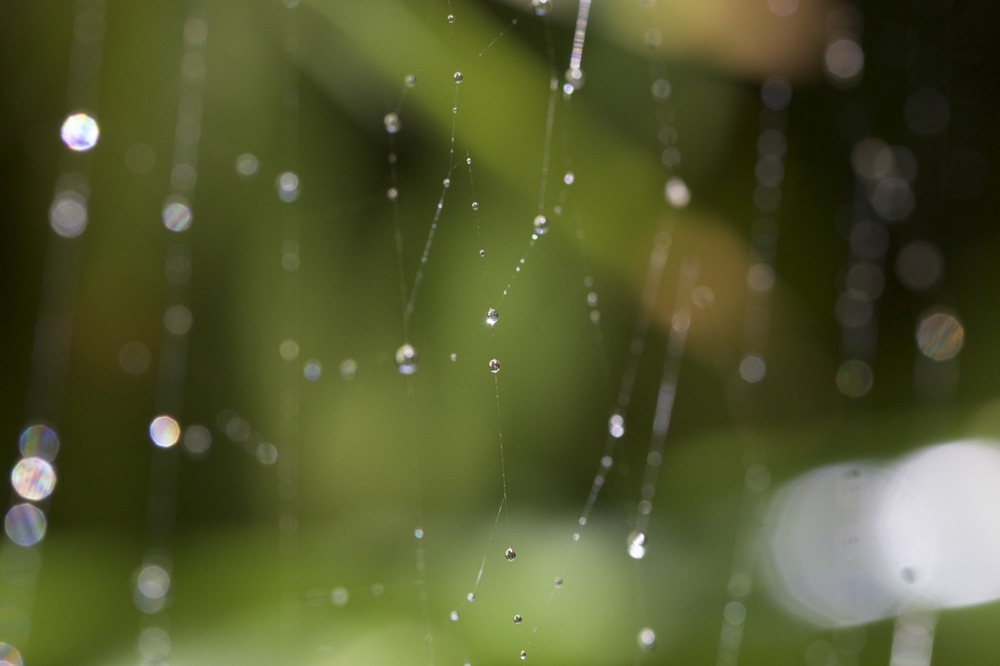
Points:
(418, 533)
(470, 597)
(68, 214)
(451, 18)
(288, 349)
(482, 253)
(616, 425)
(518, 619)
(176, 216)
(541, 225)
(940, 336)
(392, 194)
(752, 369)
(458, 77)
(288, 186)
(636, 545)
(80, 132)
(446, 182)
(592, 299)
(453, 616)
(39, 440)
(492, 316)
(247, 165)
(576, 536)
(475, 205)
(541, 7)
(569, 178)
(339, 596)
(734, 613)
(33, 479)
(25, 524)
(406, 359)
(574, 77)
(677, 193)
(164, 431)
(557, 581)
(468, 160)
(647, 639)
(313, 370)
(392, 124)
(453, 357)
(510, 554)
(9, 655)
(348, 369)
(410, 80)
(494, 366)
(524, 655)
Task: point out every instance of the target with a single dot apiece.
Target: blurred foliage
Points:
(357, 459)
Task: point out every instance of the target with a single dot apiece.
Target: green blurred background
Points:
(356, 463)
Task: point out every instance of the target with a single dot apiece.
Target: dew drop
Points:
(246, 165)
(541, 7)
(518, 619)
(541, 225)
(176, 216)
(33, 478)
(495, 368)
(25, 524)
(10, 655)
(79, 132)
(392, 194)
(453, 357)
(446, 182)
(470, 597)
(677, 193)
(392, 124)
(510, 554)
(569, 178)
(68, 214)
(418, 533)
(410, 80)
(288, 186)
(468, 160)
(348, 369)
(406, 359)
(339, 596)
(451, 18)
(616, 425)
(524, 655)
(475, 205)
(647, 639)
(164, 431)
(482, 253)
(453, 616)
(312, 370)
(557, 581)
(492, 316)
(40, 441)
(458, 77)
(636, 545)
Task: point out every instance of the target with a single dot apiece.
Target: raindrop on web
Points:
(406, 359)
(475, 205)
(392, 124)
(636, 545)
(647, 639)
(458, 77)
(510, 554)
(494, 366)
(451, 18)
(541, 225)
(453, 616)
(518, 619)
(80, 132)
(492, 316)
